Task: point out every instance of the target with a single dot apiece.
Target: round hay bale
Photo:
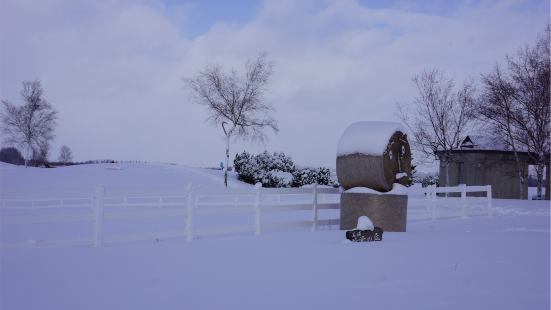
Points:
(374, 155)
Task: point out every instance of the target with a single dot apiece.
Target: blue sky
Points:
(201, 15)
(113, 69)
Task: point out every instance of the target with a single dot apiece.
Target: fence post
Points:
(428, 193)
(190, 204)
(98, 223)
(433, 202)
(258, 215)
(463, 198)
(489, 196)
(315, 207)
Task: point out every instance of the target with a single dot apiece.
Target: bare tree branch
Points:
(515, 104)
(438, 118)
(236, 100)
(30, 126)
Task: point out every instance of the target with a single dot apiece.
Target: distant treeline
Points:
(12, 155)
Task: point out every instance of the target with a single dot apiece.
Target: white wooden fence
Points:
(188, 207)
(95, 199)
(431, 202)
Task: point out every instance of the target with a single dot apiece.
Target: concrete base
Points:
(388, 212)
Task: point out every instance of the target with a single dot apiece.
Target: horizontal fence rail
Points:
(171, 203)
(431, 202)
(189, 203)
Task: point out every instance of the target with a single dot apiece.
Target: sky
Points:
(113, 69)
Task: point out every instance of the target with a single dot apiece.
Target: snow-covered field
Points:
(499, 262)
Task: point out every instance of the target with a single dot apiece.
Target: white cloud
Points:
(113, 69)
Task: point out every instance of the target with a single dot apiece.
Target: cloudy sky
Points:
(113, 69)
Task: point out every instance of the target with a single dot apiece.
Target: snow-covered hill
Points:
(500, 262)
(130, 176)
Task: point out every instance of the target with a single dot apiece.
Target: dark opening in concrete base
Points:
(386, 211)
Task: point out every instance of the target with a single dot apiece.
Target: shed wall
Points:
(495, 169)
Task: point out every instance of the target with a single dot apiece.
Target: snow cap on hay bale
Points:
(373, 155)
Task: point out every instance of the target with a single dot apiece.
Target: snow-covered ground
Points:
(499, 262)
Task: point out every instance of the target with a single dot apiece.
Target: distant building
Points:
(485, 160)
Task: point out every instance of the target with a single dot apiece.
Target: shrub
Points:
(411, 176)
(11, 155)
(304, 176)
(431, 179)
(278, 170)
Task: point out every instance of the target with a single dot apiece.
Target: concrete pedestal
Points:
(388, 212)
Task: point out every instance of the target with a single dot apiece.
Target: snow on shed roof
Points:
(486, 143)
(370, 138)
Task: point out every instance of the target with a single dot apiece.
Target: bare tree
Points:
(515, 102)
(529, 72)
(497, 108)
(30, 126)
(237, 101)
(439, 117)
(65, 155)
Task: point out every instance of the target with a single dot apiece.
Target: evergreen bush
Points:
(278, 170)
(431, 179)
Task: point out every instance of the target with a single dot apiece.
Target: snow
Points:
(132, 176)
(397, 189)
(287, 177)
(499, 262)
(401, 175)
(369, 138)
(364, 223)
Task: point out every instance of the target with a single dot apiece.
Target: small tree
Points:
(411, 176)
(236, 100)
(439, 118)
(31, 126)
(65, 155)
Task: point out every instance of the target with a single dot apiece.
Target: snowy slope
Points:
(131, 176)
(499, 262)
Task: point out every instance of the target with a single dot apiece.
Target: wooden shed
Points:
(484, 160)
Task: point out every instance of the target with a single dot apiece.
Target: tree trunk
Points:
(228, 137)
(27, 158)
(447, 174)
(539, 174)
(520, 176)
(521, 179)
(227, 160)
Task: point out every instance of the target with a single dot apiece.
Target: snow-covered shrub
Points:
(277, 178)
(271, 170)
(304, 176)
(324, 176)
(431, 179)
(278, 170)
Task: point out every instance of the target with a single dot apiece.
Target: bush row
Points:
(278, 170)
